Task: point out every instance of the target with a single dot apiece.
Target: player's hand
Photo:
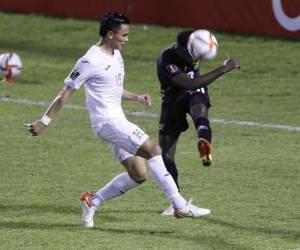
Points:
(35, 128)
(230, 64)
(145, 99)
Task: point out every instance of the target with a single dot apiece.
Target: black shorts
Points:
(174, 110)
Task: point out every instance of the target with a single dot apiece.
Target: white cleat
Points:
(168, 212)
(190, 210)
(88, 210)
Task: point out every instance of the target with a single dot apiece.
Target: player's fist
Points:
(145, 99)
(35, 128)
(230, 64)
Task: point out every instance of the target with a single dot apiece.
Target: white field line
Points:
(148, 114)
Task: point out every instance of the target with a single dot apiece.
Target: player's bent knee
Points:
(156, 150)
(139, 177)
(149, 150)
(140, 181)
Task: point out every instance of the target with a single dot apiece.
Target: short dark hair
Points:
(183, 37)
(112, 21)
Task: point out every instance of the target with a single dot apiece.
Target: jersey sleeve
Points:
(81, 72)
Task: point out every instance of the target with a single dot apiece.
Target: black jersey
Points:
(168, 66)
(177, 101)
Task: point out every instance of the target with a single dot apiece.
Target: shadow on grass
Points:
(60, 209)
(283, 233)
(158, 234)
(37, 225)
(116, 215)
(200, 239)
(43, 210)
(38, 208)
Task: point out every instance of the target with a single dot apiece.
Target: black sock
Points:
(203, 129)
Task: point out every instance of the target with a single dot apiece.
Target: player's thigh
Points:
(172, 119)
(135, 165)
(199, 110)
(199, 105)
(123, 134)
(149, 149)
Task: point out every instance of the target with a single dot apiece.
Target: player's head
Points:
(112, 21)
(181, 45)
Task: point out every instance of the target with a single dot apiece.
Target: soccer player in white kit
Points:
(101, 71)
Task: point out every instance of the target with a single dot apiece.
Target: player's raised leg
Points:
(199, 114)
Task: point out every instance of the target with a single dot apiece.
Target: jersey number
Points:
(138, 133)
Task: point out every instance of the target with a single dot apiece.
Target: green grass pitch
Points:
(253, 189)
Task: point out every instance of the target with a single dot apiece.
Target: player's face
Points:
(120, 37)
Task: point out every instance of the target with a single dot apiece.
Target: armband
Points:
(45, 120)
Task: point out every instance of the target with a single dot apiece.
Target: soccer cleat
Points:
(190, 210)
(168, 212)
(88, 210)
(204, 148)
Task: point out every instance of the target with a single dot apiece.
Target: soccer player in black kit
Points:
(184, 91)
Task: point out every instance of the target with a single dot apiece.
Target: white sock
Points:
(165, 181)
(116, 187)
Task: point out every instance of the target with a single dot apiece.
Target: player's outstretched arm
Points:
(143, 99)
(37, 127)
(184, 81)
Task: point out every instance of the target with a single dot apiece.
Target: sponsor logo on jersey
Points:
(74, 75)
(84, 60)
(172, 68)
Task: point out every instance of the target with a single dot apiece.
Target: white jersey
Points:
(103, 77)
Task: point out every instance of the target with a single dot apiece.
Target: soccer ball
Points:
(10, 66)
(202, 44)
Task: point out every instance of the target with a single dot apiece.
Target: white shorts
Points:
(125, 137)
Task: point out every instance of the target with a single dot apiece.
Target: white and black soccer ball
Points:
(202, 44)
(10, 66)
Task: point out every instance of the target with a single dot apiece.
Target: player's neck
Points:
(106, 48)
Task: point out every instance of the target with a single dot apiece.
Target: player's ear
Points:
(110, 34)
